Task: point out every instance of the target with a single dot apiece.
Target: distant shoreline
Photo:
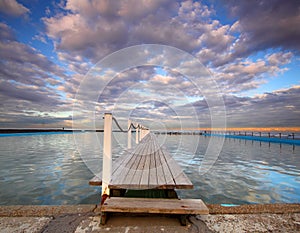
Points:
(11, 131)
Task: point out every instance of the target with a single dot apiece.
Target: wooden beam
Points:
(154, 205)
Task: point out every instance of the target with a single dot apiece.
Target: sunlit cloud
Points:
(242, 46)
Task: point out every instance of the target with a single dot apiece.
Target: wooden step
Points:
(155, 206)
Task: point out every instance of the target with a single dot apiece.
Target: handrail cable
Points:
(131, 126)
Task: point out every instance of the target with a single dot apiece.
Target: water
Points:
(53, 169)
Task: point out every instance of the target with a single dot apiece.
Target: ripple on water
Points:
(51, 169)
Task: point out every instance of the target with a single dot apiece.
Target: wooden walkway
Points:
(149, 166)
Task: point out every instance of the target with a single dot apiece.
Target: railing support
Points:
(129, 135)
(140, 132)
(107, 156)
(137, 134)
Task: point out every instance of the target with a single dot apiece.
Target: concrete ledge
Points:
(43, 211)
(254, 209)
(86, 218)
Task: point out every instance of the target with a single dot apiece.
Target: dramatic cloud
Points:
(13, 8)
(246, 74)
(267, 110)
(28, 81)
(94, 29)
(270, 109)
(266, 24)
(42, 72)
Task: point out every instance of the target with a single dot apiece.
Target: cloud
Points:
(276, 108)
(29, 82)
(13, 8)
(85, 31)
(25, 64)
(93, 29)
(6, 33)
(271, 109)
(266, 24)
(246, 74)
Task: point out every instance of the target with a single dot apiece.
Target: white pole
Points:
(140, 132)
(129, 135)
(137, 134)
(107, 157)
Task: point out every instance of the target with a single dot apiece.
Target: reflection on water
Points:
(53, 169)
(245, 172)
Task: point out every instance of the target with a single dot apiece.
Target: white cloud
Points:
(84, 31)
(247, 74)
(13, 8)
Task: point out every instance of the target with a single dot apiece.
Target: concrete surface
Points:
(23, 224)
(86, 219)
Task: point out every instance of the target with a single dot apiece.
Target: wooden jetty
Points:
(148, 167)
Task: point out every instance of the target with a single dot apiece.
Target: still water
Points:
(54, 169)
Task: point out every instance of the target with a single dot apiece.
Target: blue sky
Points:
(251, 49)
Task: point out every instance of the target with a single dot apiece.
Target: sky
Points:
(52, 53)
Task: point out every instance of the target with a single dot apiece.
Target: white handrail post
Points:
(143, 133)
(129, 135)
(137, 134)
(107, 156)
(140, 132)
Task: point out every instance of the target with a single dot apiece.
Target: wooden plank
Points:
(169, 180)
(133, 177)
(154, 205)
(97, 179)
(180, 178)
(152, 170)
(122, 178)
(138, 178)
(139, 174)
(148, 166)
(173, 170)
(144, 180)
(124, 168)
(134, 163)
(161, 179)
(121, 172)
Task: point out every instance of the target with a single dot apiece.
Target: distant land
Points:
(248, 129)
(7, 131)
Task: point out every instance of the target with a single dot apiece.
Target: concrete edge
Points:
(255, 209)
(44, 211)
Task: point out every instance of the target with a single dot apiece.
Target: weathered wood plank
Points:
(155, 205)
(122, 178)
(121, 171)
(97, 179)
(169, 180)
(179, 177)
(152, 170)
(133, 177)
(148, 166)
(144, 180)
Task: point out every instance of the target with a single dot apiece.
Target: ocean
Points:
(55, 169)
